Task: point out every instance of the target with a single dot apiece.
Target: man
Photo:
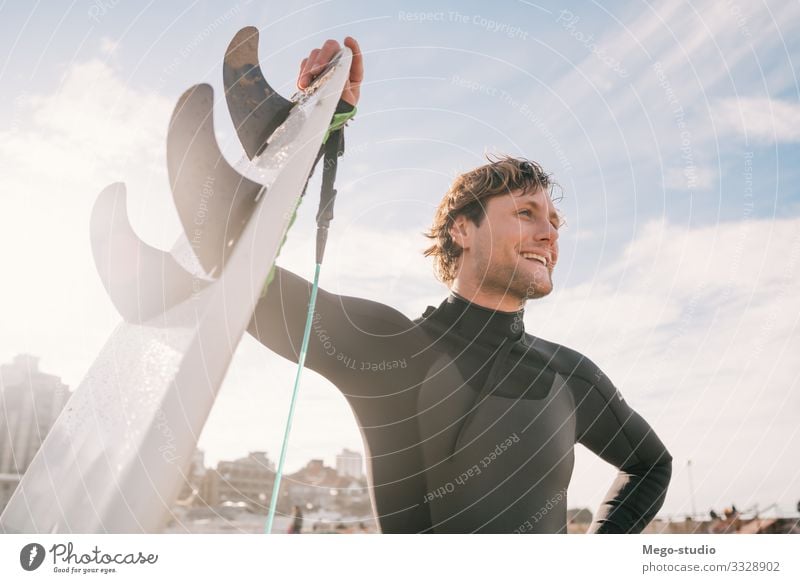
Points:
(469, 423)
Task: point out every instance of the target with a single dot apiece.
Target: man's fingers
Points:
(305, 69)
(330, 48)
(319, 58)
(352, 90)
(300, 73)
(357, 65)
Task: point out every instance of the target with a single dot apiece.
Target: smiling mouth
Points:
(534, 257)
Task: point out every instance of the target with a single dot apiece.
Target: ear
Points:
(461, 232)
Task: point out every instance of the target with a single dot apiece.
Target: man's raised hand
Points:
(319, 58)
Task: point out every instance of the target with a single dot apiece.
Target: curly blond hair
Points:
(468, 196)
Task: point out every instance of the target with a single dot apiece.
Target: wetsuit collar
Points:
(477, 322)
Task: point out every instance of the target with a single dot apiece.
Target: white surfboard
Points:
(115, 458)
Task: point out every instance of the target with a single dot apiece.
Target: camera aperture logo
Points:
(66, 560)
(31, 556)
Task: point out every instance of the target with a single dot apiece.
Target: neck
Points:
(502, 301)
(478, 324)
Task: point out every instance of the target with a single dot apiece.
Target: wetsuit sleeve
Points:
(611, 429)
(349, 336)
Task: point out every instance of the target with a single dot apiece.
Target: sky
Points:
(673, 129)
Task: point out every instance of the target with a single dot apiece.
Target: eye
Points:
(525, 212)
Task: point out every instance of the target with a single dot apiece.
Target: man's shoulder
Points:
(565, 360)
(575, 366)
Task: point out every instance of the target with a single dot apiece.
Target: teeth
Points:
(535, 256)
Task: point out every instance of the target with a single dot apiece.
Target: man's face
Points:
(515, 248)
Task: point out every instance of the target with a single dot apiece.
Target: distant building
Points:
(235, 497)
(248, 480)
(315, 484)
(30, 402)
(317, 487)
(349, 463)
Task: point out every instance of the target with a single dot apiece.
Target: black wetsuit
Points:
(468, 422)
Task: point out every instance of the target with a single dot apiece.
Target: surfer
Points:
(469, 421)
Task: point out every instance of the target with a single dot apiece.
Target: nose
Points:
(545, 231)
(547, 236)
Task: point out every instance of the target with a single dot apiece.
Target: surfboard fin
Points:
(142, 281)
(256, 108)
(213, 200)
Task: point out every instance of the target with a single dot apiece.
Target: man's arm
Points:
(611, 429)
(348, 334)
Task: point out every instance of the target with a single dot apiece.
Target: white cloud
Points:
(92, 124)
(761, 119)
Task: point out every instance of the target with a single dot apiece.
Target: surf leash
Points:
(332, 148)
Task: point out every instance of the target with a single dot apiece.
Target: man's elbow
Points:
(664, 466)
(659, 476)
(657, 472)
